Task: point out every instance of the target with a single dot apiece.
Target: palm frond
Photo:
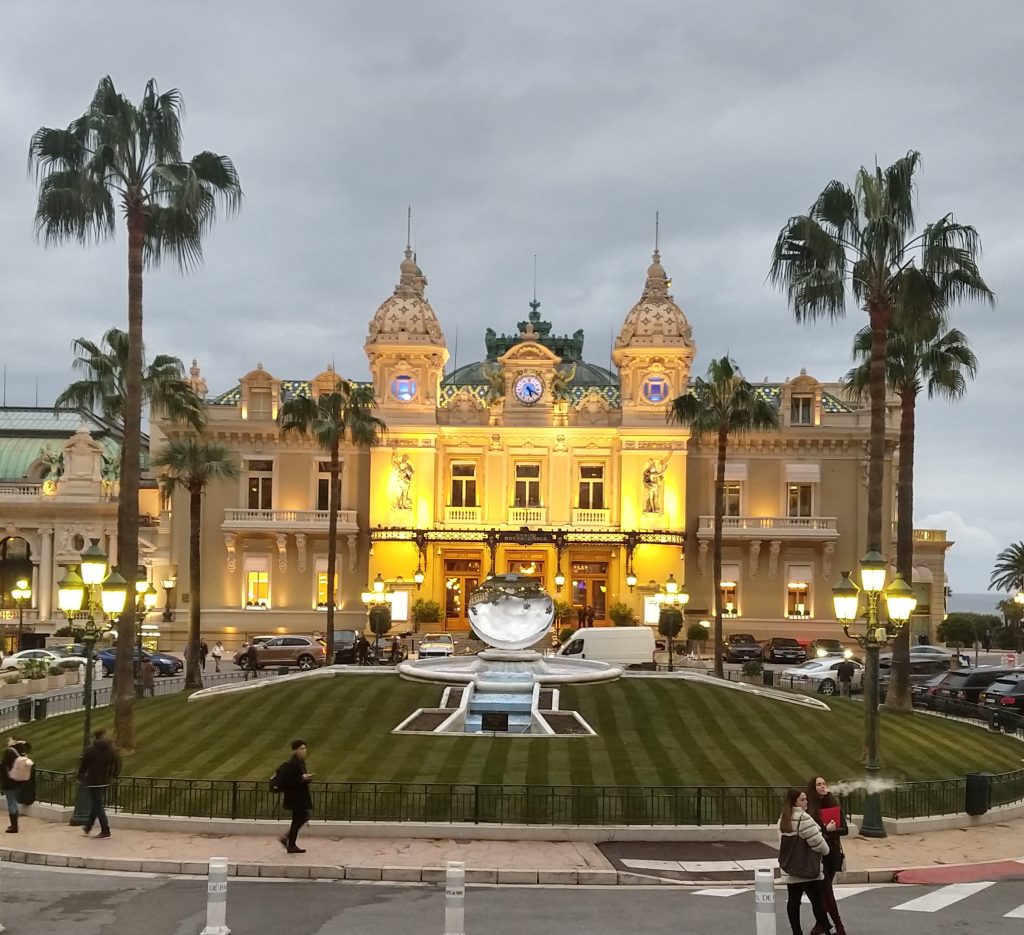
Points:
(1008, 571)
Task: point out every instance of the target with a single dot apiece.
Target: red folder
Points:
(830, 813)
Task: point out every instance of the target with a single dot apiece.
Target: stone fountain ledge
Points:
(774, 694)
(255, 684)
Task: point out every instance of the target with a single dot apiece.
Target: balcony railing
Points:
(779, 527)
(527, 515)
(591, 517)
(925, 535)
(462, 514)
(21, 491)
(286, 520)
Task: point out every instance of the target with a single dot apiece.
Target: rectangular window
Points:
(257, 582)
(591, 492)
(801, 410)
(259, 404)
(732, 499)
(323, 485)
(728, 589)
(261, 485)
(798, 591)
(320, 580)
(527, 492)
(800, 499)
(463, 485)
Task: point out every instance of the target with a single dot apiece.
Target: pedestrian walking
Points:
(148, 677)
(590, 615)
(581, 616)
(100, 766)
(15, 771)
(204, 651)
(293, 780)
(252, 662)
(825, 809)
(844, 672)
(362, 650)
(218, 654)
(801, 847)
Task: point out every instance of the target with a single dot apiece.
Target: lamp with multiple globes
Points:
(900, 603)
(22, 594)
(104, 596)
(145, 601)
(672, 597)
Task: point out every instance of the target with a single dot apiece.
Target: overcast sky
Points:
(548, 128)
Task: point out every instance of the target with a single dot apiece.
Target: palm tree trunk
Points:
(128, 497)
(723, 444)
(898, 696)
(878, 316)
(333, 496)
(193, 669)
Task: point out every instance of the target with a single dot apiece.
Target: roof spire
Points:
(408, 230)
(411, 281)
(657, 232)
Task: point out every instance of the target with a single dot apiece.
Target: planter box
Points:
(35, 686)
(12, 691)
(70, 677)
(54, 681)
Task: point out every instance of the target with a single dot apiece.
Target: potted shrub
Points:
(12, 686)
(564, 617)
(622, 615)
(35, 672)
(425, 611)
(697, 634)
(70, 671)
(54, 677)
(753, 672)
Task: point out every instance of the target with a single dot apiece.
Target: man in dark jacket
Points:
(295, 786)
(100, 766)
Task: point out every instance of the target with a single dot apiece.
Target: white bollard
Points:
(764, 901)
(2, 929)
(217, 898)
(455, 898)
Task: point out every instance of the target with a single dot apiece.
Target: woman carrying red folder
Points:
(824, 808)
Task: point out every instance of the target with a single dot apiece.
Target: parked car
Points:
(819, 648)
(783, 649)
(931, 652)
(344, 647)
(922, 669)
(433, 645)
(306, 652)
(922, 695)
(241, 658)
(739, 647)
(964, 686)
(820, 675)
(51, 657)
(1006, 693)
(162, 662)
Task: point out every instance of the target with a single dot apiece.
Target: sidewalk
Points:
(958, 853)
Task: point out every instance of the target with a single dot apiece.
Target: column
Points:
(44, 585)
(112, 548)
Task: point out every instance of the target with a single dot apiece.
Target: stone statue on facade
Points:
(654, 484)
(403, 478)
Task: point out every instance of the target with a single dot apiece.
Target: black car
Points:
(739, 647)
(1006, 693)
(922, 694)
(163, 663)
(921, 671)
(784, 649)
(345, 647)
(964, 686)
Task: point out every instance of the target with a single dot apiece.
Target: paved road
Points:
(52, 902)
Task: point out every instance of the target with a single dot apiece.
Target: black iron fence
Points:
(508, 804)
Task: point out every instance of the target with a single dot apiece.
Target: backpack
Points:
(276, 783)
(21, 769)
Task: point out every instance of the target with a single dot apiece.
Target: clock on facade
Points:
(528, 389)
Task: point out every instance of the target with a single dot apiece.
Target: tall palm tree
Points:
(864, 239)
(191, 464)
(1008, 571)
(918, 357)
(345, 411)
(119, 155)
(723, 404)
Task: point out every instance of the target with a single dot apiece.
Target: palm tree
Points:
(865, 239)
(1008, 571)
(191, 464)
(119, 155)
(722, 404)
(347, 410)
(918, 357)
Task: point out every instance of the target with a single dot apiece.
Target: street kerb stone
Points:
(516, 876)
(401, 874)
(362, 873)
(557, 877)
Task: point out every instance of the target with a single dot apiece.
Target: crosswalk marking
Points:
(723, 891)
(842, 892)
(1017, 913)
(943, 897)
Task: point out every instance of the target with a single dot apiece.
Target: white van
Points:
(620, 646)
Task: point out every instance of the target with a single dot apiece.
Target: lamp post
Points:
(145, 601)
(168, 584)
(104, 596)
(377, 599)
(671, 598)
(900, 604)
(22, 594)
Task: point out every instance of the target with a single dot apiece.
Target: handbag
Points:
(797, 859)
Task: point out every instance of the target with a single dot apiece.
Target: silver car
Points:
(434, 645)
(820, 675)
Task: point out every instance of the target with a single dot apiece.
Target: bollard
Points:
(2, 929)
(455, 898)
(217, 898)
(764, 901)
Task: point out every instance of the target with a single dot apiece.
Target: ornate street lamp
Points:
(900, 603)
(145, 601)
(104, 596)
(377, 598)
(168, 584)
(22, 594)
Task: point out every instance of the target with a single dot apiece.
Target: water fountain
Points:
(507, 687)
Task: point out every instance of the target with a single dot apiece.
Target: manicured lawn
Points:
(651, 732)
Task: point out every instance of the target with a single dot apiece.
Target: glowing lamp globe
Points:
(511, 611)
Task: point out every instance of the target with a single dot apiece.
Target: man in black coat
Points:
(100, 766)
(295, 786)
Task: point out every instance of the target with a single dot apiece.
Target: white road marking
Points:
(943, 897)
(723, 891)
(1017, 913)
(842, 892)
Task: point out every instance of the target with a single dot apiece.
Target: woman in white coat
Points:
(801, 847)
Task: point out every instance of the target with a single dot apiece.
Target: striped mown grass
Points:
(651, 732)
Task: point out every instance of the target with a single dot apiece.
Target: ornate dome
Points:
(656, 320)
(406, 317)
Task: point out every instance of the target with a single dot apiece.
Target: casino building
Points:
(536, 461)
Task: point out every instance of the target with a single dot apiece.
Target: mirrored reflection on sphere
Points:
(511, 611)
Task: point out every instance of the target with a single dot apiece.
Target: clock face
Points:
(528, 389)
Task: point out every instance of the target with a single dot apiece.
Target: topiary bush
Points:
(622, 615)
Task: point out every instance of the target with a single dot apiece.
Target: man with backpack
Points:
(100, 766)
(292, 780)
(15, 771)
